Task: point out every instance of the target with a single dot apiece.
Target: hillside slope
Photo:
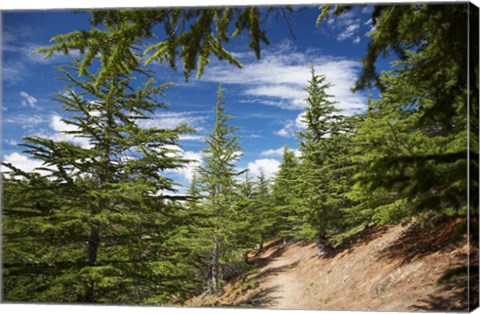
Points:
(389, 268)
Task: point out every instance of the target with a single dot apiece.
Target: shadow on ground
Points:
(417, 242)
(275, 270)
(262, 298)
(263, 261)
(453, 295)
(454, 292)
(362, 237)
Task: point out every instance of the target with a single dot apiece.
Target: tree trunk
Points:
(93, 243)
(92, 249)
(322, 245)
(215, 268)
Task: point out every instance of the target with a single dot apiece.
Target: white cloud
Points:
(59, 127)
(172, 120)
(13, 72)
(28, 100)
(16, 71)
(26, 121)
(191, 137)
(368, 9)
(292, 127)
(196, 159)
(10, 141)
(283, 133)
(191, 168)
(349, 32)
(346, 25)
(278, 152)
(22, 162)
(356, 40)
(272, 152)
(280, 77)
(268, 166)
(17, 34)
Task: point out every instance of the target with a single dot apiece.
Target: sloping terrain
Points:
(389, 268)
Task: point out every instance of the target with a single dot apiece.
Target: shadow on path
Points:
(275, 271)
(263, 298)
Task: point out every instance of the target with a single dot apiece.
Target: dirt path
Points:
(280, 289)
(281, 285)
(387, 268)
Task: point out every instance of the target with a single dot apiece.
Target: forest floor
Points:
(388, 268)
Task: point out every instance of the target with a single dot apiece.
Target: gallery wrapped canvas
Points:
(311, 157)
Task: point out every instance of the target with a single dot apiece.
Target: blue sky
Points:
(266, 97)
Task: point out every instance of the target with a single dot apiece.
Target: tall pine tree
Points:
(283, 194)
(218, 177)
(320, 194)
(104, 232)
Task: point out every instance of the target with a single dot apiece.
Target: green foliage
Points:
(251, 283)
(411, 151)
(283, 193)
(96, 228)
(409, 164)
(264, 217)
(323, 171)
(218, 182)
(192, 35)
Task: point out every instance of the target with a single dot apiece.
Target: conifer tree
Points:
(425, 101)
(320, 190)
(415, 166)
(263, 216)
(218, 177)
(104, 231)
(283, 194)
(247, 227)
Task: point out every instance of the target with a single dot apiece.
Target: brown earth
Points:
(388, 268)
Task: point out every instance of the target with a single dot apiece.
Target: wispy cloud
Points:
(13, 72)
(10, 142)
(367, 9)
(26, 121)
(17, 68)
(280, 77)
(347, 25)
(170, 120)
(28, 100)
(349, 32)
(17, 33)
(191, 137)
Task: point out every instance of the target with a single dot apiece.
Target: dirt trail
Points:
(390, 268)
(280, 287)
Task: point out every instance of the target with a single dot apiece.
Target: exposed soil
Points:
(389, 268)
